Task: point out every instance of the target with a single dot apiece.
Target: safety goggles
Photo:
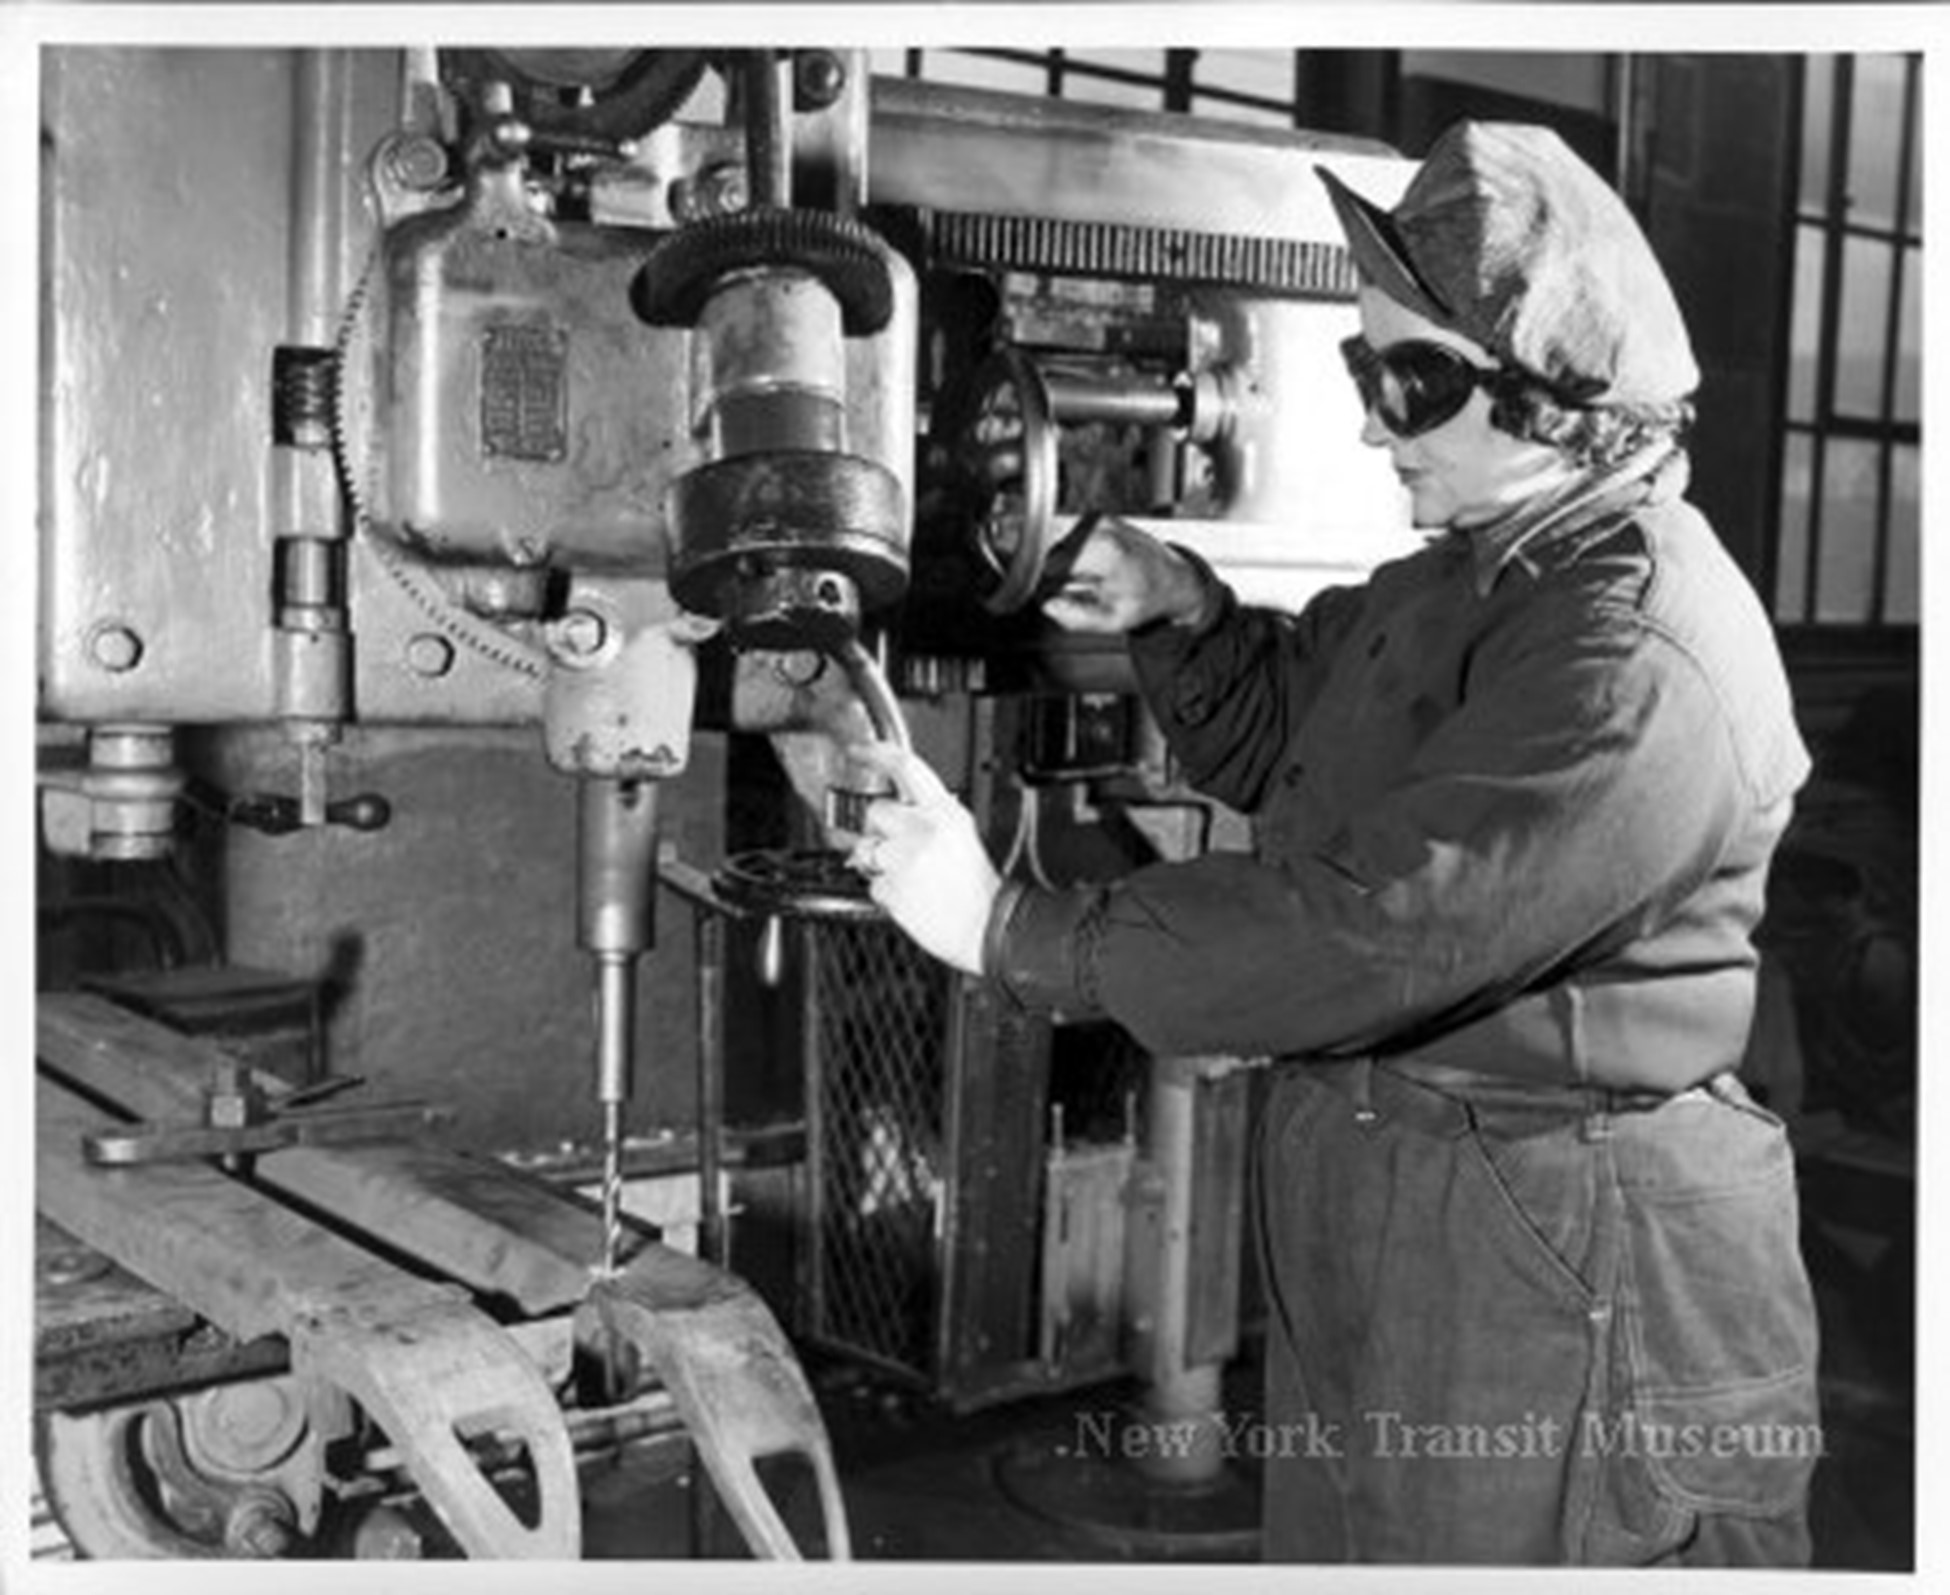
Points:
(1413, 386)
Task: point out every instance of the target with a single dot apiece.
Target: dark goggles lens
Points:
(1414, 386)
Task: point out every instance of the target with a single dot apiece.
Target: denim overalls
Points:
(1514, 802)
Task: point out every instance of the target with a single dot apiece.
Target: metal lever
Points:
(275, 815)
(238, 1121)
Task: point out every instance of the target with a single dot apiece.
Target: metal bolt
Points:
(579, 635)
(115, 647)
(233, 1100)
(70, 1266)
(800, 668)
(429, 655)
(385, 1535)
(259, 1525)
(717, 190)
(416, 161)
(818, 79)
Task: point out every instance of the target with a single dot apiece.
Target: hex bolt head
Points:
(430, 655)
(579, 635)
(417, 162)
(114, 647)
(260, 1525)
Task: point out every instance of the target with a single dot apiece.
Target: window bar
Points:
(1253, 102)
(1780, 442)
(1843, 106)
(1891, 347)
(1059, 66)
(1178, 79)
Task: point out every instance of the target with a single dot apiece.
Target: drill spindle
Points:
(617, 859)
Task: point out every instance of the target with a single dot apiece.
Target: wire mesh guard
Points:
(879, 1013)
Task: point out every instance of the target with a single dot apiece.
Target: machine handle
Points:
(277, 815)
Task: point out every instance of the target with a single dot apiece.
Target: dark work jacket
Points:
(1514, 802)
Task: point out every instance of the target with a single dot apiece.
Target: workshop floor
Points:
(924, 1485)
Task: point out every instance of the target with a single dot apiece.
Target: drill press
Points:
(794, 519)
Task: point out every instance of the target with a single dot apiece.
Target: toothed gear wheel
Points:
(849, 259)
(355, 440)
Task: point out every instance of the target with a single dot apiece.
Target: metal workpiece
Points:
(413, 1353)
(717, 1349)
(468, 1218)
(422, 1362)
(433, 1376)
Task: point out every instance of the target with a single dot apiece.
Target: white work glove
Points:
(924, 860)
(1115, 577)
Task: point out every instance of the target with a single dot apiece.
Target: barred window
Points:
(1850, 490)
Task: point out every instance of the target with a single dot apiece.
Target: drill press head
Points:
(797, 522)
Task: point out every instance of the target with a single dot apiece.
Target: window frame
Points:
(1902, 238)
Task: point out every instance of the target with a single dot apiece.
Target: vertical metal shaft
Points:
(768, 136)
(812, 1254)
(616, 883)
(710, 1085)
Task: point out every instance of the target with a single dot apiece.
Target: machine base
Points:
(1112, 1502)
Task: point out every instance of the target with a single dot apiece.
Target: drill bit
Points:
(612, 1186)
(615, 1024)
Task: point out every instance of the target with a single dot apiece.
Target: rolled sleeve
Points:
(1041, 946)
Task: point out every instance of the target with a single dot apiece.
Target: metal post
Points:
(1178, 1393)
(812, 1252)
(711, 1238)
(314, 658)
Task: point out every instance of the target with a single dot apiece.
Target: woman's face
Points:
(1465, 471)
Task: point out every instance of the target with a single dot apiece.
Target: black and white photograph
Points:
(1039, 792)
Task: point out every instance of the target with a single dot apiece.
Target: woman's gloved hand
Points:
(924, 860)
(1110, 577)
